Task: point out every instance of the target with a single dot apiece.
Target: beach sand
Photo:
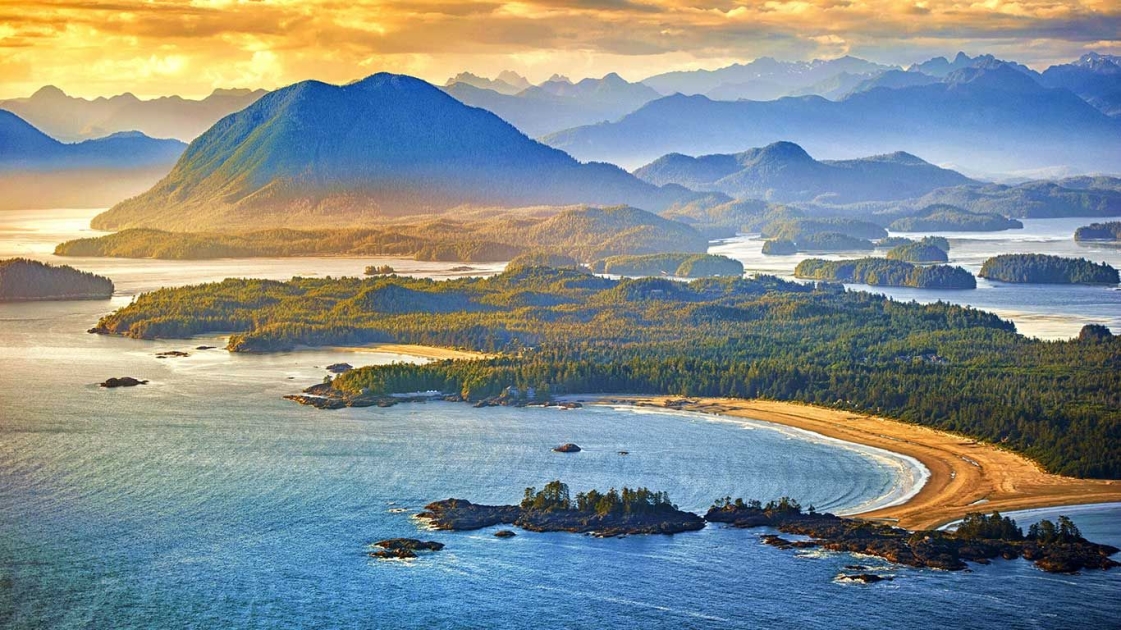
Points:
(965, 475)
(426, 352)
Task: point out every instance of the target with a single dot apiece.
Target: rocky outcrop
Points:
(504, 533)
(403, 548)
(167, 354)
(339, 368)
(123, 381)
(461, 515)
(567, 448)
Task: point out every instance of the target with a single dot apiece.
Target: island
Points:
(22, 279)
(570, 332)
(779, 247)
(1047, 269)
(680, 265)
(403, 548)
(586, 234)
(948, 218)
(122, 381)
(1053, 547)
(1109, 232)
(379, 270)
(553, 509)
(567, 448)
(886, 272)
(918, 253)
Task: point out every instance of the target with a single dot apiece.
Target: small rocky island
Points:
(122, 381)
(980, 538)
(403, 548)
(22, 279)
(567, 448)
(552, 509)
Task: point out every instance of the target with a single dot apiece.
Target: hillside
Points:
(784, 172)
(70, 118)
(314, 154)
(37, 171)
(22, 279)
(994, 118)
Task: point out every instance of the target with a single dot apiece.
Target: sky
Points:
(189, 47)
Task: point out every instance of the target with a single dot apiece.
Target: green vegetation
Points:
(555, 497)
(584, 233)
(779, 247)
(893, 241)
(677, 265)
(379, 270)
(566, 331)
(717, 219)
(24, 279)
(886, 272)
(798, 229)
(1047, 269)
(918, 253)
(946, 218)
(977, 526)
(1110, 231)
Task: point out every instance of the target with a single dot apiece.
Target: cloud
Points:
(155, 47)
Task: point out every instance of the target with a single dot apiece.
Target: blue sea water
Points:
(204, 500)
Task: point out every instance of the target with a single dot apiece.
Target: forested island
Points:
(672, 264)
(1108, 232)
(921, 253)
(586, 234)
(786, 236)
(1047, 269)
(553, 509)
(24, 279)
(886, 272)
(948, 218)
(980, 538)
(565, 331)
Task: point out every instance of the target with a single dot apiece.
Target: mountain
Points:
(70, 119)
(558, 103)
(1096, 78)
(989, 119)
(314, 154)
(506, 83)
(941, 67)
(894, 79)
(762, 79)
(783, 172)
(37, 171)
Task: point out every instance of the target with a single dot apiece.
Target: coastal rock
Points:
(205, 347)
(123, 381)
(339, 368)
(867, 578)
(171, 354)
(567, 448)
(504, 533)
(403, 548)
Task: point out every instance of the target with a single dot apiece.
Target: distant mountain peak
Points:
(48, 92)
(559, 78)
(776, 152)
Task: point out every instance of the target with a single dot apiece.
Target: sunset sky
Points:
(158, 47)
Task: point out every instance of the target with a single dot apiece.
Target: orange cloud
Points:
(154, 47)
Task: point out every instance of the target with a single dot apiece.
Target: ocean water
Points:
(204, 500)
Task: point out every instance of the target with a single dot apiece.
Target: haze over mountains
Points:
(992, 118)
(313, 154)
(37, 171)
(784, 172)
(70, 119)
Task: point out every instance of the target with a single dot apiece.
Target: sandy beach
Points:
(965, 475)
(426, 352)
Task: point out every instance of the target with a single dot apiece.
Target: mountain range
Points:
(314, 154)
(992, 118)
(557, 104)
(71, 119)
(37, 171)
(762, 79)
(783, 172)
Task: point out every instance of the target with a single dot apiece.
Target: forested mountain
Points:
(22, 279)
(314, 154)
(784, 172)
(37, 171)
(994, 118)
(70, 118)
(558, 104)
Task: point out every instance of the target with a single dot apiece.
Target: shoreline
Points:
(963, 475)
(411, 350)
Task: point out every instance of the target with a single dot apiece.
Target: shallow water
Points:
(205, 500)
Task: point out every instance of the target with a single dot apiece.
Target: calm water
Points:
(205, 500)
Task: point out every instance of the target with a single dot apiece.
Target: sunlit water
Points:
(205, 500)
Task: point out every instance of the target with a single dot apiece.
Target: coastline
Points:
(963, 475)
(412, 350)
